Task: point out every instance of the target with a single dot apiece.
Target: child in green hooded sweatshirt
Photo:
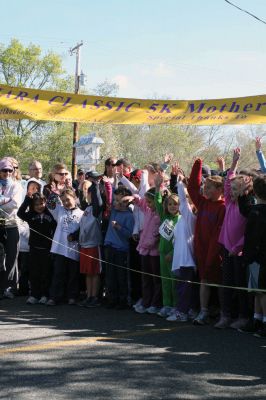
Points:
(168, 211)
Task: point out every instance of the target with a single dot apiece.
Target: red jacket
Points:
(209, 222)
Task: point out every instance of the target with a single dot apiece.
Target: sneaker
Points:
(43, 300)
(85, 302)
(172, 310)
(138, 303)
(261, 332)
(202, 318)
(164, 311)
(8, 294)
(239, 323)
(177, 317)
(32, 300)
(252, 326)
(152, 310)
(93, 302)
(192, 314)
(72, 302)
(172, 317)
(141, 309)
(224, 322)
(50, 302)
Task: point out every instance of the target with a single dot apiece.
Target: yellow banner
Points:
(43, 105)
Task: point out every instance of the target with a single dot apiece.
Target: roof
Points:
(89, 139)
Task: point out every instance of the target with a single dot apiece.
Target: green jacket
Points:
(165, 246)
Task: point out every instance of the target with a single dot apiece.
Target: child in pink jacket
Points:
(232, 239)
(148, 248)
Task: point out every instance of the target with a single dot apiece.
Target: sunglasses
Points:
(62, 173)
(7, 170)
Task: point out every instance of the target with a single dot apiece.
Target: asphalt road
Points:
(68, 352)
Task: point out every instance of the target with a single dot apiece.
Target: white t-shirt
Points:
(184, 233)
(67, 222)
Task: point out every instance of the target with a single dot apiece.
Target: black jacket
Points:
(42, 226)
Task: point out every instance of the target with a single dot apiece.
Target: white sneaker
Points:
(32, 300)
(164, 311)
(138, 303)
(153, 310)
(140, 309)
(172, 317)
(50, 303)
(8, 294)
(202, 318)
(172, 311)
(43, 300)
(177, 317)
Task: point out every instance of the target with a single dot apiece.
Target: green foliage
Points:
(25, 66)
(11, 145)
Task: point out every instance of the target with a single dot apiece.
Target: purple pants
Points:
(151, 285)
(187, 293)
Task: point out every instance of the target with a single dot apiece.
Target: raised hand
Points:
(236, 154)
(221, 163)
(31, 190)
(175, 168)
(180, 175)
(168, 158)
(258, 143)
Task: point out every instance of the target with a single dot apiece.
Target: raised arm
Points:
(126, 182)
(260, 154)
(22, 211)
(221, 164)
(231, 174)
(54, 205)
(96, 199)
(194, 183)
(158, 180)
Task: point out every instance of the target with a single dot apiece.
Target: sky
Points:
(177, 49)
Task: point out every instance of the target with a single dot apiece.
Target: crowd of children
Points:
(184, 248)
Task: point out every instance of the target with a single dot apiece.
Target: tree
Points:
(106, 88)
(25, 66)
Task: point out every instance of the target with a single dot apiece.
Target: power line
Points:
(245, 11)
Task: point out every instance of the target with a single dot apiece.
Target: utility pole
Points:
(76, 50)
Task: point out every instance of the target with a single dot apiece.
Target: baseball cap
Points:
(92, 175)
